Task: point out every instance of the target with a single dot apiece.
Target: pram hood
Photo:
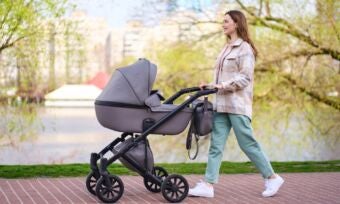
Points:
(131, 84)
(128, 104)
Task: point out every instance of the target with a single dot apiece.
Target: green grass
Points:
(67, 170)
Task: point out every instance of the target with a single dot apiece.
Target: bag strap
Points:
(189, 137)
(189, 141)
(192, 129)
(197, 148)
(205, 105)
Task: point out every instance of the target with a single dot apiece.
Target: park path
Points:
(322, 188)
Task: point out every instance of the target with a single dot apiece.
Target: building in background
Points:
(73, 95)
(78, 47)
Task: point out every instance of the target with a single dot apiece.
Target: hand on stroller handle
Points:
(209, 87)
(206, 91)
(193, 89)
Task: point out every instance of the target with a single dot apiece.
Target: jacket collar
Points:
(237, 42)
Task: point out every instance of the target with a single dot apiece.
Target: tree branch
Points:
(7, 45)
(314, 95)
(301, 53)
(284, 26)
(4, 18)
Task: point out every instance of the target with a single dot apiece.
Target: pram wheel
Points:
(159, 172)
(91, 181)
(175, 188)
(109, 190)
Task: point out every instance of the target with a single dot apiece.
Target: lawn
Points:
(75, 170)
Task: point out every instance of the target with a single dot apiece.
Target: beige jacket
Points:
(234, 69)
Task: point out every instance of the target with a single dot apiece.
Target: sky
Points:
(117, 12)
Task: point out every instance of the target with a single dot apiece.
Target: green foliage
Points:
(31, 31)
(22, 19)
(180, 66)
(75, 170)
(279, 103)
(126, 61)
(18, 123)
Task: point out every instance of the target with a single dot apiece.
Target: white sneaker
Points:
(272, 186)
(202, 189)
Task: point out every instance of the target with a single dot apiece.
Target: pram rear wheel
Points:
(110, 190)
(175, 188)
(160, 173)
(91, 182)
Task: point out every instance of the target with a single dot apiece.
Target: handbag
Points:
(201, 123)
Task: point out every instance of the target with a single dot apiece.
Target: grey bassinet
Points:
(127, 102)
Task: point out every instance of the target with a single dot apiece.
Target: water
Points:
(69, 135)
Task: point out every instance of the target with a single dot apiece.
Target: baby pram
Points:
(129, 105)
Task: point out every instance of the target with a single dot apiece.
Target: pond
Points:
(69, 135)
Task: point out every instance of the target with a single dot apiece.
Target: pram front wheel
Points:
(109, 190)
(91, 182)
(160, 173)
(175, 188)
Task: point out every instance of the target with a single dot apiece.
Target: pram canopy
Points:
(131, 84)
(128, 104)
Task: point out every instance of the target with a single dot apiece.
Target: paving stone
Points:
(232, 188)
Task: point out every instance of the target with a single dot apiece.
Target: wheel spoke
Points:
(176, 194)
(167, 191)
(182, 186)
(116, 186)
(116, 191)
(180, 191)
(180, 182)
(103, 191)
(106, 193)
(114, 181)
(177, 180)
(172, 194)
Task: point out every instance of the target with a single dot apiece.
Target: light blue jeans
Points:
(222, 123)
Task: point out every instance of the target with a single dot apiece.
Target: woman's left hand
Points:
(218, 86)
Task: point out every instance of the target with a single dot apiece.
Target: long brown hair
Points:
(242, 27)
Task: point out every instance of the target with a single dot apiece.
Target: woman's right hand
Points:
(202, 85)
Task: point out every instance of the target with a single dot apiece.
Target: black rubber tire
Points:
(91, 182)
(151, 186)
(175, 188)
(112, 194)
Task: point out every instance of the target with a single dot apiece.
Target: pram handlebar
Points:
(205, 91)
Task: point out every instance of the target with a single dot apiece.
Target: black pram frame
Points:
(109, 188)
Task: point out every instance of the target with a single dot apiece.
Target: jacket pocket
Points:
(230, 64)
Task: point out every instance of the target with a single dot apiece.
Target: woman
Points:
(233, 78)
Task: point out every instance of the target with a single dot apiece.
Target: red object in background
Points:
(99, 80)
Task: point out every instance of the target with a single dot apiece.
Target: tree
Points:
(297, 71)
(306, 37)
(31, 40)
(21, 18)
